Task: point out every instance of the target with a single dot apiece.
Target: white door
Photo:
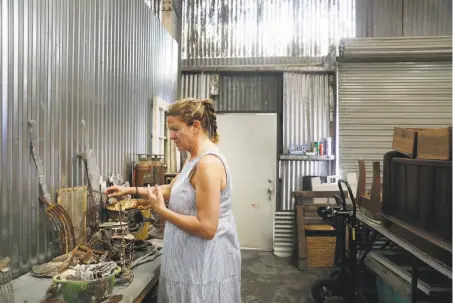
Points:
(249, 143)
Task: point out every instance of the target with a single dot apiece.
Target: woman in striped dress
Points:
(201, 260)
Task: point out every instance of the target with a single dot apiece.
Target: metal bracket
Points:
(167, 5)
(214, 80)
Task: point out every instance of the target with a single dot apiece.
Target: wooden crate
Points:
(405, 141)
(423, 143)
(434, 144)
(321, 242)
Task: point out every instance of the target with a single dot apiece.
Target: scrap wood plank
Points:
(301, 242)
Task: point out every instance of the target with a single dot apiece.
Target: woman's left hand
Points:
(156, 199)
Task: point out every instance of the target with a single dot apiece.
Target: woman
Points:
(201, 260)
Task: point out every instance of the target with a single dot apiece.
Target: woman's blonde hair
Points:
(202, 110)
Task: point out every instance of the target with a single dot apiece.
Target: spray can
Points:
(328, 146)
(316, 149)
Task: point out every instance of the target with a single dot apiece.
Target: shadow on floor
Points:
(268, 278)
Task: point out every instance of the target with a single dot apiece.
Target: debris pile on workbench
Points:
(6, 288)
(89, 272)
(157, 230)
(115, 180)
(96, 234)
(82, 254)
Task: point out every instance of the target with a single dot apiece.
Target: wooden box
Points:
(434, 144)
(423, 143)
(405, 141)
(306, 214)
(321, 243)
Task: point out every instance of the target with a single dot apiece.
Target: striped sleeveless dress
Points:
(193, 269)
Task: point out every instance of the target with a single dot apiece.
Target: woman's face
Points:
(181, 133)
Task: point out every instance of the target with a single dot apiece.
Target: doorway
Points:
(249, 143)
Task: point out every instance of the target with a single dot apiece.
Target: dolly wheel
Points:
(335, 274)
(323, 289)
(334, 300)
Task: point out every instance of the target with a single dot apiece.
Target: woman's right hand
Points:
(116, 191)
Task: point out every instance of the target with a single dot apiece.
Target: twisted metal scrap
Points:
(126, 270)
(57, 214)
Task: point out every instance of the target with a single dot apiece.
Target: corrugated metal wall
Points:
(307, 101)
(195, 85)
(375, 97)
(250, 93)
(397, 18)
(155, 6)
(247, 92)
(264, 28)
(63, 61)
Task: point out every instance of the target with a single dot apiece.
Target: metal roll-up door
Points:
(375, 95)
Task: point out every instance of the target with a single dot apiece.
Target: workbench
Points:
(30, 289)
(420, 260)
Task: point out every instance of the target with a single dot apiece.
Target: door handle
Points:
(270, 190)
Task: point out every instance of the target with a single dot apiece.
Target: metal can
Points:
(313, 147)
(316, 148)
(328, 146)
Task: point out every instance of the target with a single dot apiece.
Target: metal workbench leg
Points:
(414, 280)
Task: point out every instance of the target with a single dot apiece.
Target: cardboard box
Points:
(405, 141)
(434, 144)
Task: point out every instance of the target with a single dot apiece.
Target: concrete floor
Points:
(267, 278)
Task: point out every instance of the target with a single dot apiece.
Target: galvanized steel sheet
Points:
(307, 102)
(250, 93)
(264, 28)
(376, 97)
(398, 18)
(63, 61)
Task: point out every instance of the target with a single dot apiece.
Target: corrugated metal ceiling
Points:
(219, 29)
(264, 28)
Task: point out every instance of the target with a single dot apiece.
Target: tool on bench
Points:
(148, 257)
(135, 219)
(57, 214)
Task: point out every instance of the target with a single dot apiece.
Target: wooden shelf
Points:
(306, 158)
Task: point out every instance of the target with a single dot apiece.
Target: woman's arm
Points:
(143, 191)
(118, 191)
(207, 182)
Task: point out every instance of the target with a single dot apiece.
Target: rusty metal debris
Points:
(126, 270)
(6, 288)
(80, 255)
(96, 198)
(57, 214)
(46, 270)
(148, 257)
(63, 222)
(89, 272)
(52, 293)
(74, 201)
